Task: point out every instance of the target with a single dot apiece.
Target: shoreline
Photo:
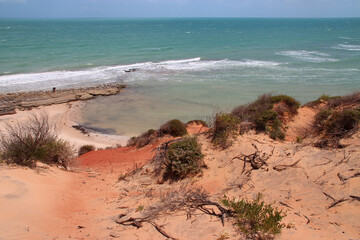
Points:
(11, 102)
(63, 108)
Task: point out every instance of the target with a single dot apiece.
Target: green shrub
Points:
(34, 140)
(262, 121)
(183, 158)
(143, 140)
(320, 119)
(340, 123)
(85, 149)
(173, 127)
(322, 99)
(226, 127)
(290, 102)
(250, 112)
(335, 125)
(256, 219)
(299, 139)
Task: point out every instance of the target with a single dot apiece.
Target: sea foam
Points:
(348, 47)
(119, 73)
(309, 56)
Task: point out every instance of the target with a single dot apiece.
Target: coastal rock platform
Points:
(27, 100)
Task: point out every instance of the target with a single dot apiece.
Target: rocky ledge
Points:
(27, 100)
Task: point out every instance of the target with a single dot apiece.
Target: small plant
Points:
(223, 236)
(173, 127)
(139, 208)
(183, 158)
(299, 139)
(256, 219)
(85, 149)
(226, 127)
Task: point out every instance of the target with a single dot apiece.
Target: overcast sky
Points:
(178, 8)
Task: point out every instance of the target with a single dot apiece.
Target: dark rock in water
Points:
(88, 129)
(131, 70)
(7, 110)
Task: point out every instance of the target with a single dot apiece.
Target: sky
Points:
(178, 8)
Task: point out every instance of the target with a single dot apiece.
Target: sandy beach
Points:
(64, 116)
(63, 107)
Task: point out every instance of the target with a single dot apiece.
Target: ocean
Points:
(186, 68)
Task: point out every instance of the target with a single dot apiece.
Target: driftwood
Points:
(256, 160)
(186, 199)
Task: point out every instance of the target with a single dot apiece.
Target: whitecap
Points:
(308, 56)
(106, 74)
(348, 47)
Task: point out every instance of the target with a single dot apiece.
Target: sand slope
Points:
(316, 187)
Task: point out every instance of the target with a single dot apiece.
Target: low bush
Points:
(322, 99)
(143, 140)
(34, 140)
(250, 112)
(256, 219)
(197, 121)
(183, 158)
(174, 128)
(269, 121)
(225, 128)
(291, 104)
(335, 125)
(85, 149)
(340, 123)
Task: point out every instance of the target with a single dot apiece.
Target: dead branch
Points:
(343, 179)
(136, 222)
(160, 230)
(308, 219)
(329, 196)
(337, 202)
(256, 160)
(280, 168)
(355, 197)
(286, 205)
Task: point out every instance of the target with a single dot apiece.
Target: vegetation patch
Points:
(198, 122)
(290, 102)
(265, 116)
(85, 149)
(174, 128)
(256, 219)
(34, 140)
(226, 127)
(183, 158)
(335, 125)
(144, 139)
(322, 99)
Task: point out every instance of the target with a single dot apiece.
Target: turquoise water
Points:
(185, 68)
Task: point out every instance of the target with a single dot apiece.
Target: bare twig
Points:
(280, 168)
(337, 202)
(329, 196)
